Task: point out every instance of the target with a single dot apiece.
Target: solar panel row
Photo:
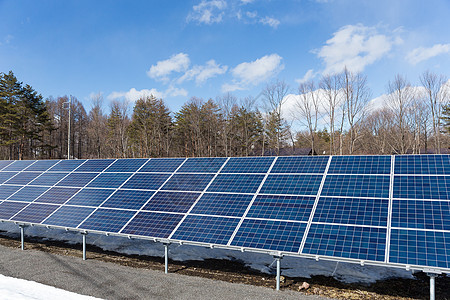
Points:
(266, 203)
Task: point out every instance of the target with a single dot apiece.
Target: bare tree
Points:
(308, 108)
(226, 103)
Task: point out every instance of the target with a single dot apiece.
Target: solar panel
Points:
(77, 179)
(188, 182)
(153, 224)
(162, 165)
(90, 197)
(360, 165)
(233, 205)
(107, 220)
(5, 163)
(202, 164)
(302, 164)
(8, 190)
(109, 180)
(28, 193)
(292, 184)
(356, 186)
(146, 181)
(422, 164)
(18, 165)
(69, 216)
(57, 195)
(248, 165)
(95, 165)
(48, 179)
(4, 176)
(236, 183)
(422, 187)
(35, 213)
(127, 199)
(294, 208)
(172, 201)
(42, 165)
(9, 209)
(66, 165)
(126, 165)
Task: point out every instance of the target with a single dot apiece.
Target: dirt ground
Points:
(237, 272)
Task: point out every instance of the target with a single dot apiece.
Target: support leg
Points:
(166, 258)
(278, 259)
(22, 237)
(84, 245)
(432, 286)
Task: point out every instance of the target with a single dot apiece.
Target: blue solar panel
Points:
(28, 193)
(372, 212)
(5, 163)
(153, 224)
(42, 165)
(422, 187)
(417, 247)
(127, 199)
(35, 213)
(69, 216)
(66, 165)
(7, 190)
(172, 201)
(9, 209)
(248, 165)
(162, 165)
(205, 229)
(360, 165)
(292, 184)
(90, 197)
(236, 183)
(57, 195)
(22, 178)
(356, 186)
(422, 164)
(95, 165)
(293, 208)
(203, 164)
(48, 179)
(188, 182)
(107, 220)
(270, 235)
(19, 165)
(109, 180)
(233, 205)
(126, 165)
(77, 179)
(366, 243)
(4, 176)
(302, 164)
(421, 214)
(146, 181)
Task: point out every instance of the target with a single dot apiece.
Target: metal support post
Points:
(22, 236)
(84, 245)
(278, 259)
(166, 258)
(432, 286)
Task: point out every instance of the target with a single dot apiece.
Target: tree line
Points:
(333, 115)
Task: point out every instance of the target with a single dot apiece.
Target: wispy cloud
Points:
(208, 12)
(133, 95)
(308, 75)
(355, 47)
(420, 54)
(204, 72)
(270, 21)
(176, 63)
(252, 73)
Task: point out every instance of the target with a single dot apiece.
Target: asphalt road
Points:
(111, 281)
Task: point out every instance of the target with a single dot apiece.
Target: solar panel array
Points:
(391, 210)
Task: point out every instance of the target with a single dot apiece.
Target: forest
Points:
(333, 115)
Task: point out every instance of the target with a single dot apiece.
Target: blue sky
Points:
(180, 49)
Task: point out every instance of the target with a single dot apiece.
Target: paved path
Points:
(111, 281)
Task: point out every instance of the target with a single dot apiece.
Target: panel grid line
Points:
(7, 165)
(389, 220)
(313, 210)
(251, 202)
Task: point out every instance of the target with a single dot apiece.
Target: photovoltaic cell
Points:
(57, 195)
(293, 208)
(206, 229)
(162, 165)
(107, 220)
(8, 190)
(4, 176)
(95, 165)
(28, 193)
(300, 164)
(9, 209)
(66, 165)
(42, 165)
(69, 216)
(90, 197)
(146, 181)
(270, 235)
(126, 165)
(22, 178)
(128, 199)
(172, 202)
(233, 205)
(152, 224)
(35, 213)
(360, 165)
(248, 165)
(356, 186)
(372, 212)
(48, 179)
(422, 187)
(188, 182)
(109, 180)
(292, 184)
(366, 243)
(4, 163)
(421, 214)
(203, 164)
(417, 247)
(236, 183)
(18, 165)
(77, 179)
(422, 164)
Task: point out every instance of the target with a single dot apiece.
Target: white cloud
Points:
(354, 47)
(308, 75)
(208, 12)
(133, 95)
(176, 63)
(247, 1)
(420, 54)
(203, 73)
(174, 92)
(270, 21)
(253, 73)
